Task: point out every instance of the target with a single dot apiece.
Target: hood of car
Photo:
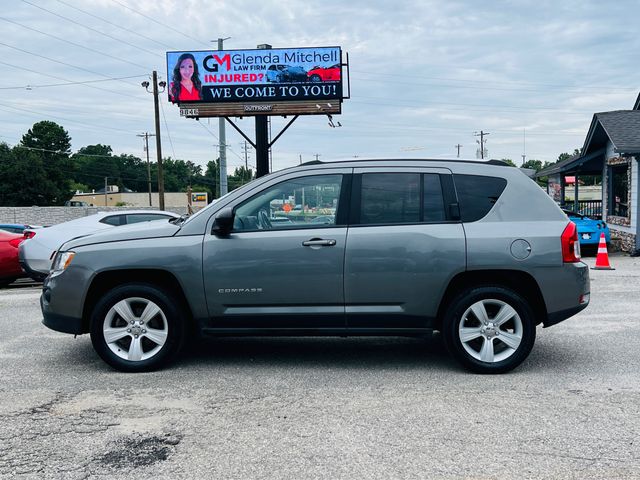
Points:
(137, 231)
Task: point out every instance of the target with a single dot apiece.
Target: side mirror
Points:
(223, 223)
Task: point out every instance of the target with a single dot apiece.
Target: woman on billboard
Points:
(185, 85)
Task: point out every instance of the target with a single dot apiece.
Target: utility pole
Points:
(155, 92)
(105, 191)
(223, 141)
(482, 141)
(458, 146)
(146, 136)
(245, 148)
(317, 155)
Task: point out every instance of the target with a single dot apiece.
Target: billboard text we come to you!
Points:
(246, 76)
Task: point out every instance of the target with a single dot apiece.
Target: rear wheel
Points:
(137, 328)
(489, 329)
(315, 78)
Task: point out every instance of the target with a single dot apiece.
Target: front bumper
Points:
(62, 302)
(60, 323)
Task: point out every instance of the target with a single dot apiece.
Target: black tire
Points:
(5, 282)
(169, 322)
(315, 78)
(520, 325)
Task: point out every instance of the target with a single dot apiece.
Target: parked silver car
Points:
(475, 250)
(36, 252)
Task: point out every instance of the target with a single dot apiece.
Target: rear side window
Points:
(115, 220)
(477, 194)
(145, 217)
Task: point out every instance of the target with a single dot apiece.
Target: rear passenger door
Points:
(405, 242)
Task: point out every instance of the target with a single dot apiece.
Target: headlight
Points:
(61, 262)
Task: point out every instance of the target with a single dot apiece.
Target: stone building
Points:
(611, 150)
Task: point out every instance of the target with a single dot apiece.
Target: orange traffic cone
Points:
(602, 260)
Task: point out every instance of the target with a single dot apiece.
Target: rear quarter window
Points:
(477, 195)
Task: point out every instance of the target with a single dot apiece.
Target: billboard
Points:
(256, 82)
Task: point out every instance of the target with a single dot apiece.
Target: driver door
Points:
(282, 265)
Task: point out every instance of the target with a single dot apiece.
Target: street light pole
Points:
(158, 142)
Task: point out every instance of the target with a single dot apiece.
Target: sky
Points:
(425, 75)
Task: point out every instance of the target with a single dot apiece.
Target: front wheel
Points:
(137, 328)
(489, 329)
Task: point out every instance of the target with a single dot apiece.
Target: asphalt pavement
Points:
(327, 408)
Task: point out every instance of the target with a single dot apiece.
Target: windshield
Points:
(214, 202)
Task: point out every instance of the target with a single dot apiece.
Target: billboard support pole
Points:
(262, 137)
(262, 146)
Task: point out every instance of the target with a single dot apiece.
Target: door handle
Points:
(319, 242)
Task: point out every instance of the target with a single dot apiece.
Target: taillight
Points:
(570, 244)
(29, 234)
(15, 242)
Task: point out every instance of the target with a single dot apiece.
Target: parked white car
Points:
(37, 251)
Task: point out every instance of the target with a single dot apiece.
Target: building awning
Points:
(590, 164)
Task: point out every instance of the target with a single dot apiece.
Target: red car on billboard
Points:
(9, 266)
(325, 74)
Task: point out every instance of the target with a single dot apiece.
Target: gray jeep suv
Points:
(475, 250)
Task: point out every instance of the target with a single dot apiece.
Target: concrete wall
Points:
(54, 215)
(140, 199)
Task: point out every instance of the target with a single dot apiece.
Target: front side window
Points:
(305, 202)
(619, 198)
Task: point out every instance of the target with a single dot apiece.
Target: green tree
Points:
(567, 156)
(508, 161)
(536, 165)
(23, 178)
(51, 143)
(241, 175)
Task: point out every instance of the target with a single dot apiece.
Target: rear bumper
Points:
(557, 317)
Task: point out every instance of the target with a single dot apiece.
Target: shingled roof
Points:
(622, 128)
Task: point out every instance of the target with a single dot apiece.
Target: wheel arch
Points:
(105, 281)
(520, 282)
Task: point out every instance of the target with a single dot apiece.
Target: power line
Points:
(97, 127)
(561, 86)
(218, 140)
(158, 22)
(84, 82)
(90, 28)
(515, 107)
(166, 127)
(60, 62)
(114, 24)
(67, 80)
(137, 65)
